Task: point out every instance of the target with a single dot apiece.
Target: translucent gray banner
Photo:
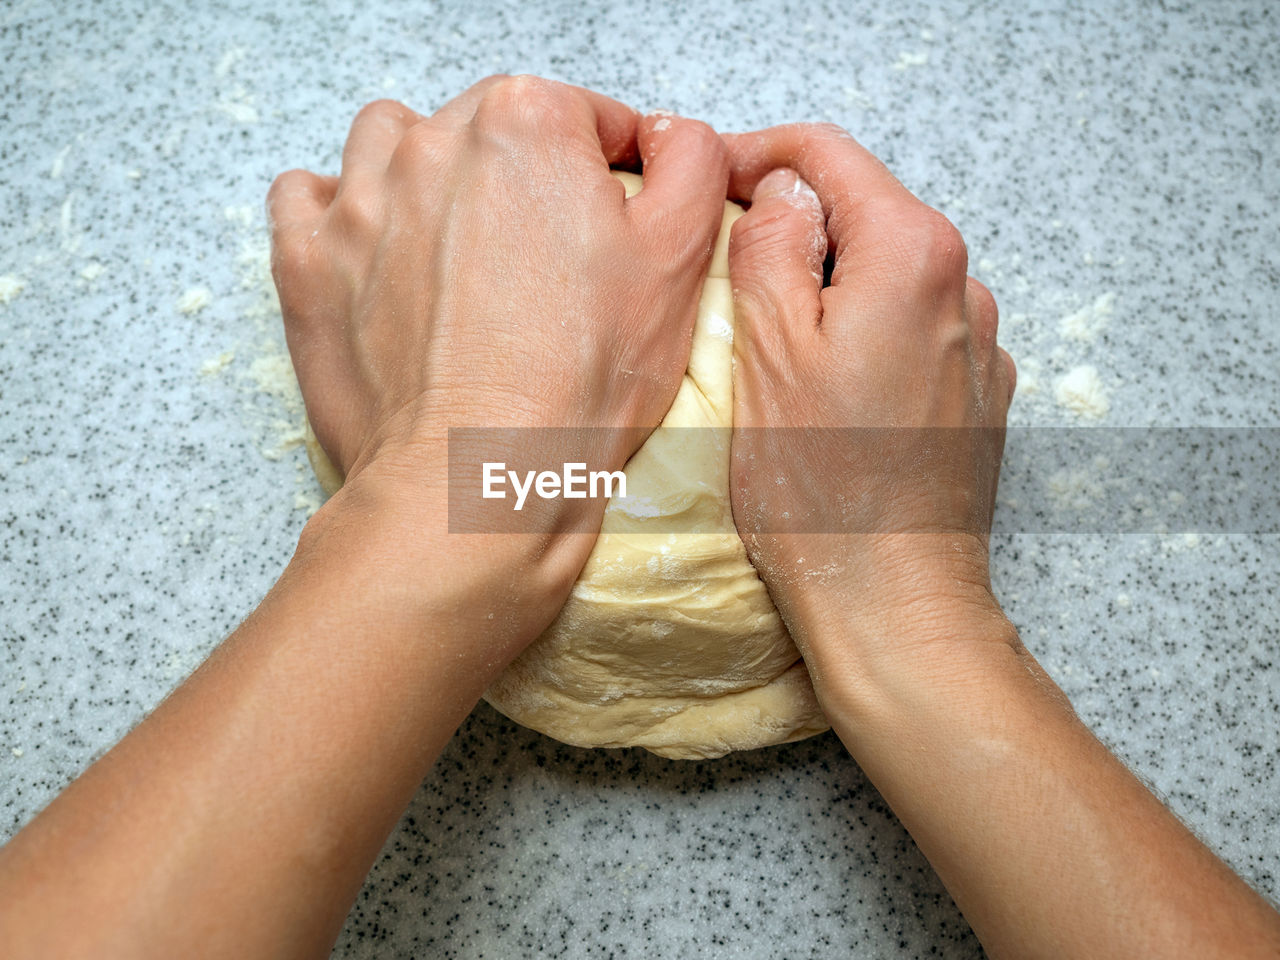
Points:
(1133, 480)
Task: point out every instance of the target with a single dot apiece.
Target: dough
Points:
(668, 641)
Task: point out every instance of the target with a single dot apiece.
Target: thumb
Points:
(776, 253)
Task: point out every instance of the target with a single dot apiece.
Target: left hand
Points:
(481, 267)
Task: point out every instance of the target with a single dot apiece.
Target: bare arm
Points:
(239, 819)
(1048, 844)
(480, 267)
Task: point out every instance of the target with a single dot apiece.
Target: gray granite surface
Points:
(1114, 169)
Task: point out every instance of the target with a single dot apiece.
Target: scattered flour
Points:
(215, 365)
(907, 60)
(239, 107)
(241, 216)
(855, 97)
(10, 287)
(1074, 490)
(271, 402)
(272, 374)
(1180, 543)
(230, 59)
(1081, 391)
(1086, 323)
(307, 500)
(1028, 383)
(194, 300)
(66, 225)
(59, 161)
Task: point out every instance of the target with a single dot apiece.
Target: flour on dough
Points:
(668, 641)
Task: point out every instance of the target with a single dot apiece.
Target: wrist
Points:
(903, 590)
(953, 688)
(477, 598)
(889, 624)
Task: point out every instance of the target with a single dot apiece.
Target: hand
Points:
(880, 515)
(481, 268)
(874, 545)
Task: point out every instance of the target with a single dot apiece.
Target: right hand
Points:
(1047, 843)
(879, 539)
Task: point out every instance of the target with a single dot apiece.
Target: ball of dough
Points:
(668, 641)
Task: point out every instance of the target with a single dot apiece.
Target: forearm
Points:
(1049, 845)
(272, 776)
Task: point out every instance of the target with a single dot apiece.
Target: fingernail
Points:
(805, 194)
(775, 183)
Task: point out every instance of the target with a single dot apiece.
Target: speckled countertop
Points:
(1116, 177)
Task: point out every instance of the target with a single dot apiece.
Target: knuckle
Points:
(357, 213)
(697, 132)
(292, 262)
(931, 249)
(383, 111)
(283, 188)
(519, 99)
(423, 142)
(827, 130)
(938, 240)
(819, 135)
(702, 138)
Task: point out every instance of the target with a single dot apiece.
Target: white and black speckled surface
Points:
(1082, 153)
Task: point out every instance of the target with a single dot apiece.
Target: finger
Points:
(537, 110)
(427, 144)
(1004, 375)
(983, 317)
(812, 149)
(776, 253)
(865, 205)
(375, 133)
(295, 203)
(686, 172)
(616, 125)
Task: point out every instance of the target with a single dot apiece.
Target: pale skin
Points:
(241, 817)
